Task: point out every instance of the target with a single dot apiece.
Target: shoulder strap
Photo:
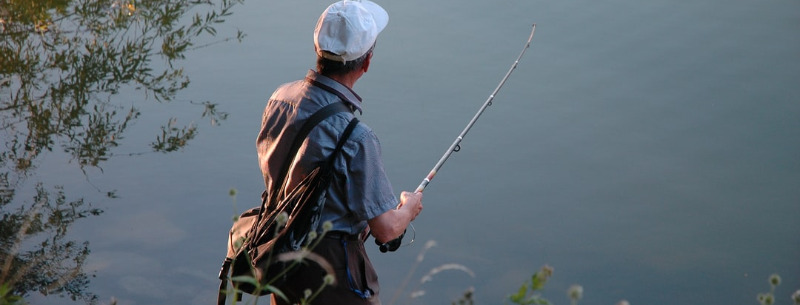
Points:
(310, 123)
(345, 135)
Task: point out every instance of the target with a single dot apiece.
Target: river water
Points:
(646, 150)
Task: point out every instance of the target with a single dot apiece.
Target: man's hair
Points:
(329, 67)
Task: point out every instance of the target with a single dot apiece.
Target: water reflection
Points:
(63, 64)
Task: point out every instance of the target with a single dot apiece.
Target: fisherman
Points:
(360, 199)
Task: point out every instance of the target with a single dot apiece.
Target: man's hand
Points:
(413, 201)
(390, 225)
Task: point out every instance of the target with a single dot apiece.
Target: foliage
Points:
(417, 291)
(54, 266)
(796, 297)
(62, 61)
(529, 293)
(63, 64)
(173, 138)
(768, 298)
(466, 298)
(7, 297)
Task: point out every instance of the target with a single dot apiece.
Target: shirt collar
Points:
(346, 94)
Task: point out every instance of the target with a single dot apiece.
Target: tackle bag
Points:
(264, 242)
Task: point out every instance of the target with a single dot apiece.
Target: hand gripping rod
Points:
(456, 144)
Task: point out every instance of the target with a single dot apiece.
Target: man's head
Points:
(345, 35)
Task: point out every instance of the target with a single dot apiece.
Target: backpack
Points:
(265, 242)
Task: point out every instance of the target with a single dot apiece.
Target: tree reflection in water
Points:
(62, 65)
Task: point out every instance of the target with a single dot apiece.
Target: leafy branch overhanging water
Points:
(63, 65)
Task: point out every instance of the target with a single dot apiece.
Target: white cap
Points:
(348, 29)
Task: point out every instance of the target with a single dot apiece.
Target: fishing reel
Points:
(394, 244)
(391, 245)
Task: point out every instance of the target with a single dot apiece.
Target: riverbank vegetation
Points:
(63, 64)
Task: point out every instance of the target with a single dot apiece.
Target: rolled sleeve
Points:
(369, 191)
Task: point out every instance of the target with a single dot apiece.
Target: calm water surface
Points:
(649, 151)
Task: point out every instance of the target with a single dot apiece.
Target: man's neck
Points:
(348, 79)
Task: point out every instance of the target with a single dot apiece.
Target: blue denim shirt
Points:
(360, 189)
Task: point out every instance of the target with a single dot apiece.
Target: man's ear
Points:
(365, 66)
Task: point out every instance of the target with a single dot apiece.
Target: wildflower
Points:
(232, 192)
(307, 293)
(300, 256)
(312, 235)
(774, 279)
(540, 278)
(544, 273)
(769, 300)
(430, 244)
(327, 226)
(547, 271)
(796, 297)
(429, 276)
(282, 218)
(766, 298)
(329, 279)
(623, 302)
(575, 292)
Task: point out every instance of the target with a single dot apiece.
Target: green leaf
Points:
(540, 301)
(274, 290)
(537, 281)
(520, 295)
(245, 279)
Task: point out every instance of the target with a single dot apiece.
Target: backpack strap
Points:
(272, 194)
(310, 123)
(345, 135)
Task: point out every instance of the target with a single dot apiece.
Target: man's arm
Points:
(392, 224)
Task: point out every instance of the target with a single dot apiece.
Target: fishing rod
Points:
(456, 146)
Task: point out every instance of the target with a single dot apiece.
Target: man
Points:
(360, 198)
